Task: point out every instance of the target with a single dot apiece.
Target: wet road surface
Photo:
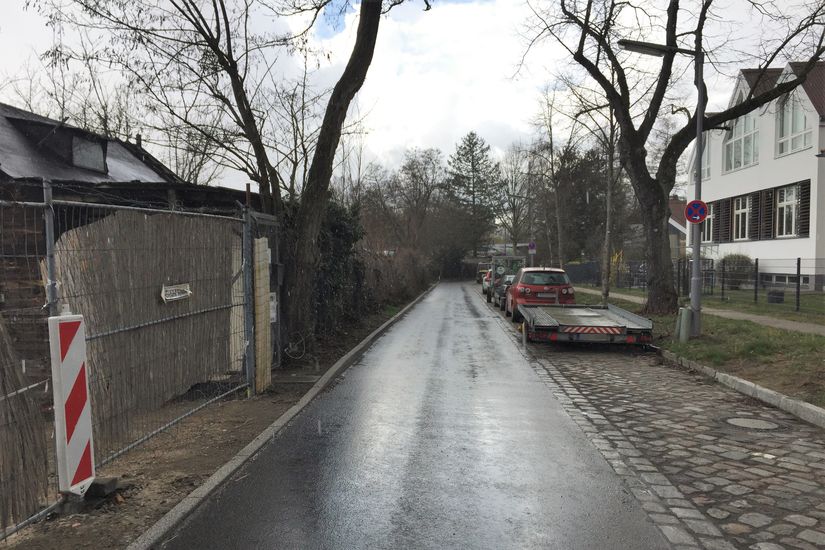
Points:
(441, 436)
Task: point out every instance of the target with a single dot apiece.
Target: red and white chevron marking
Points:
(592, 330)
(72, 408)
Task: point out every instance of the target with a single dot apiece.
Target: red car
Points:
(539, 286)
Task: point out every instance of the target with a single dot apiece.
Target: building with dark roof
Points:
(764, 180)
(82, 167)
(90, 167)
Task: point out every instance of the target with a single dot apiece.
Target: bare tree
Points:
(598, 120)
(419, 181)
(556, 140)
(512, 211)
(589, 31)
(192, 58)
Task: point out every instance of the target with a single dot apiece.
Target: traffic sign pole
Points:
(696, 272)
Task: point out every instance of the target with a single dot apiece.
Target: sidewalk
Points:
(784, 324)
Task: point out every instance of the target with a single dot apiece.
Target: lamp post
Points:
(659, 50)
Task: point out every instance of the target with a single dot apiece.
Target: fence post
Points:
(756, 281)
(51, 272)
(798, 281)
(723, 279)
(249, 303)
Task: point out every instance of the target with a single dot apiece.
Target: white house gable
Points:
(762, 179)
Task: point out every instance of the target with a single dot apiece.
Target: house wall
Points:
(818, 198)
(769, 172)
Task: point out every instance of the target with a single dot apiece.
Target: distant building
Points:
(764, 183)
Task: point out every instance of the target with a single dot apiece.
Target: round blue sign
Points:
(696, 211)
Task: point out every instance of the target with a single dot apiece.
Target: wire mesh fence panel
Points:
(163, 298)
(25, 450)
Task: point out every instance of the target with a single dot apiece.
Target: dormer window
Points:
(742, 142)
(89, 154)
(72, 146)
(793, 127)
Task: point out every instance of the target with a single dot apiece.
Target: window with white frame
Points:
(786, 200)
(793, 127)
(742, 142)
(707, 226)
(741, 213)
(705, 161)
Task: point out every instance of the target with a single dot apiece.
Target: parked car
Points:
(485, 282)
(481, 271)
(500, 291)
(538, 285)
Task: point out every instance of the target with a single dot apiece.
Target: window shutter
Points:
(766, 211)
(725, 220)
(714, 229)
(803, 209)
(753, 217)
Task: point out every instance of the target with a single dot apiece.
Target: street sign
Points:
(531, 247)
(696, 211)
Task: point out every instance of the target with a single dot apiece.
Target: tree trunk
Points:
(299, 278)
(661, 293)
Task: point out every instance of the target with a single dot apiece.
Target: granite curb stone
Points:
(805, 411)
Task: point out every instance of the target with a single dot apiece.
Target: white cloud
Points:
(439, 74)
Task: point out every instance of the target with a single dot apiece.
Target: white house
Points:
(764, 184)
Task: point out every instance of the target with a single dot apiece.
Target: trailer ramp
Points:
(580, 323)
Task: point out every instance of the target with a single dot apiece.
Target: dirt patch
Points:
(159, 473)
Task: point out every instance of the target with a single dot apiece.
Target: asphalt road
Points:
(441, 436)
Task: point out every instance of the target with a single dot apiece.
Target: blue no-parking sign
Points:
(696, 211)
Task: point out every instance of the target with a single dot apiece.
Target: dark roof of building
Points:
(34, 146)
(814, 84)
(761, 80)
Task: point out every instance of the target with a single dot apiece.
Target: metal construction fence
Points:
(167, 297)
(760, 285)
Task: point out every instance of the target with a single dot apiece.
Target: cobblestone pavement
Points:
(713, 468)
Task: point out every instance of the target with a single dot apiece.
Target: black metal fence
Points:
(762, 285)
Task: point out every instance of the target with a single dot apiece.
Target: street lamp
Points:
(659, 50)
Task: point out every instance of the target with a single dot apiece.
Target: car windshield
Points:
(545, 278)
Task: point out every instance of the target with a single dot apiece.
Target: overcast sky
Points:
(435, 76)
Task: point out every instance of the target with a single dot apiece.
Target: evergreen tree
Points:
(473, 186)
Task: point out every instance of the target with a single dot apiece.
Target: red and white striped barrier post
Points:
(72, 409)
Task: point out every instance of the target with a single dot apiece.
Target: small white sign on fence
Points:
(173, 293)
(72, 406)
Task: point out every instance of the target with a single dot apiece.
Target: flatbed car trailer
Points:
(581, 323)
